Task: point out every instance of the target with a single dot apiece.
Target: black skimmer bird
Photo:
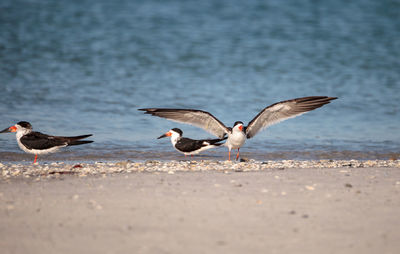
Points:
(238, 134)
(189, 146)
(38, 143)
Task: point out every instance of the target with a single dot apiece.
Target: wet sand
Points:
(175, 207)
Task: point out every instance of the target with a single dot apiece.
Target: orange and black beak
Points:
(241, 127)
(168, 134)
(11, 129)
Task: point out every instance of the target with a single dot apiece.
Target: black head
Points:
(238, 122)
(25, 125)
(169, 133)
(179, 131)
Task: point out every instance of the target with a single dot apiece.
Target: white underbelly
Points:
(235, 141)
(39, 151)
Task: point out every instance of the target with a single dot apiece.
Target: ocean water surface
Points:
(78, 67)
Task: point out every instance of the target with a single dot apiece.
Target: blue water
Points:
(77, 67)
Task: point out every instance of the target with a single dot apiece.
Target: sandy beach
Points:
(201, 207)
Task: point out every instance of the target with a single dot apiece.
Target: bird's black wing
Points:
(40, 141)
(189, 145)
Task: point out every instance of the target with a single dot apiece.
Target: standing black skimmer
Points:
(189, 146)
(39, 143)
(237, 135)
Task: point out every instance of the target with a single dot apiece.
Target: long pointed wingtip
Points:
(147, 110)
(79, 142)
(80, 137)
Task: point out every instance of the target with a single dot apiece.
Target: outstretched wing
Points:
(194, 117)
(283, 110)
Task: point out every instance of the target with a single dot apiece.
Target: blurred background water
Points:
(76, 67)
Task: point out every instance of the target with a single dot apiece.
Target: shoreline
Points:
(55, 169)
(136, 155)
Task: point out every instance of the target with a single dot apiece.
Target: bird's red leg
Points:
(237, 155)
(34, 161)
(191, 155)
(185, 155)
(229, 155)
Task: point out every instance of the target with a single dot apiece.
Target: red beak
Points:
(168, 134)
(11, 129)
